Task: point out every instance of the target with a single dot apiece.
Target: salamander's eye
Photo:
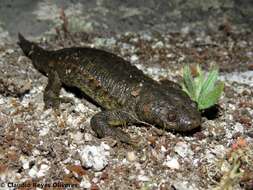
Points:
(172, 117)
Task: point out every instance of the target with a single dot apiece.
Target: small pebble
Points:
(238, 127)
(95, 157)
(87, 137)
(131, 156)
(163, 149)
(172, 163)
(143, 178)
(134, 58)
(77, 137)
(85, 183)
(158, 45)
(183, 150)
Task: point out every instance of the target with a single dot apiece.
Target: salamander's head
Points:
(25, 45)
(174, 112)
(37, 54)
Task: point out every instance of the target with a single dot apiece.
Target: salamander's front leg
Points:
(105, 124)
(52, 91)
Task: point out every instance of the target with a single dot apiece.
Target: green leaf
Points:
(209, 83)
(209, 99)
(199, 81)
(204, 90)
(188, 82)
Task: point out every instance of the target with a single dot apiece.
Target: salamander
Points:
(126, 95)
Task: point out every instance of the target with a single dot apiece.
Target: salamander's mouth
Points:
(183, 125)
(189, 124)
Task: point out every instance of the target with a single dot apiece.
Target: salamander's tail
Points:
(28, 47)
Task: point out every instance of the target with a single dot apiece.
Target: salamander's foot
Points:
(54, 102)
(106, 123)
(115, 133)
(120, 135)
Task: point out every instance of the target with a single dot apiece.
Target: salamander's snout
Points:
(190, 117)
(188, 123)
(177, 117)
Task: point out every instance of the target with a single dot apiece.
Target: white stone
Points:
(131, 156)
(105, 146)
(126, 46)
(44, 131)
(95, 157)
(87, 137)
(183, 150)
(2, 101)
(36, 152)
(210, 157)
(238, 127)
(219, 151)
(158, 45)
(143, 178)
(70, 120)
(134, 40)
(25, 162)
(95, 179)
(110, 42)
(43, 170)
(33, 172)
(134, 58)
(124, 161)
(99, 41)
(26, 165)
(172, 163)
(170, 55)
(77, 137)
(81, 108)
(9, 51)
(229, 134)
(184, 185)
(163, 149)
(85, 183)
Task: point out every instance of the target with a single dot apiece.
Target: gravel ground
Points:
(39, 148)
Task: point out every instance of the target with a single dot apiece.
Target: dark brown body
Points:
(125, 92)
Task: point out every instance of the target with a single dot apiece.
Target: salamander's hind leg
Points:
(52, 92)
(105, 124)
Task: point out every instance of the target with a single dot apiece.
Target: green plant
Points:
(236, 167)
(203, 88)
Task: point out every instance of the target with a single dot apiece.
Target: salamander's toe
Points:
(120, 135)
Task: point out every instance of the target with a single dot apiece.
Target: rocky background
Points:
(42, 150)
(34, 17)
